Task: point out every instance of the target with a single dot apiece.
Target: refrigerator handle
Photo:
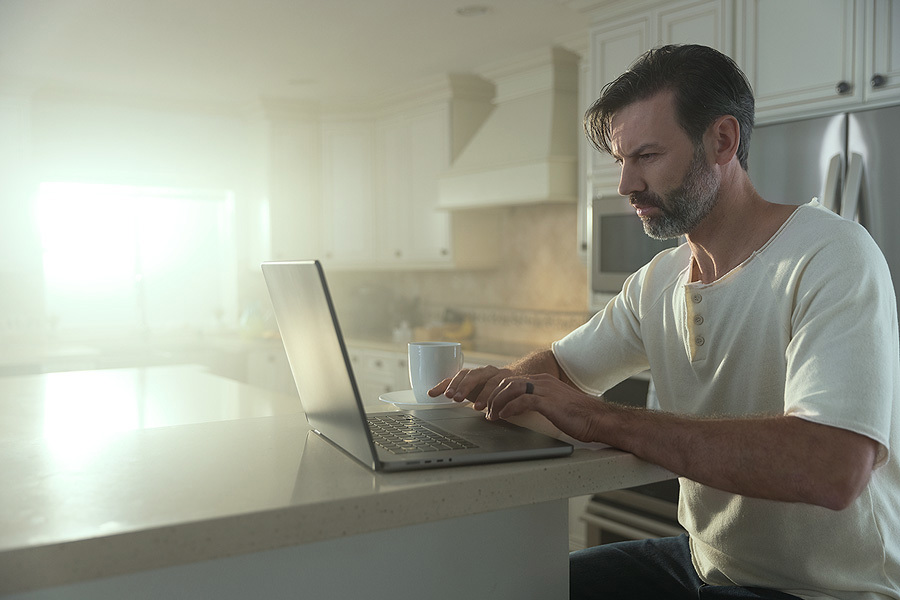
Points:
(852, 188)
(832, 184)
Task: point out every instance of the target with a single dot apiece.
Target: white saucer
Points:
(407, 399)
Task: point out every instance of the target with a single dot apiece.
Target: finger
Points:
(468, 384)
(447, 384)
(453, 383)
(504, 391)
(514, 385)
(506, 399)
(518, 406)
(488, 390)
(440, 388)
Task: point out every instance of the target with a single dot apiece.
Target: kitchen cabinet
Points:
(615, 44)
(379, 371)
(348, 197)
(883, 62)
(803, 55)
(293, 210)
(380, 193)
(811, 57)
(283, 139)
(414, 149)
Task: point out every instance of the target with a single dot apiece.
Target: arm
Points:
(777, 458)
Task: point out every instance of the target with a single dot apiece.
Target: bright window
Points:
(120, 259)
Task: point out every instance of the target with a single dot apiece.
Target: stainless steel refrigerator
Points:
(850, 162)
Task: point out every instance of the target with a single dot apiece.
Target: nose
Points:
(630, 180)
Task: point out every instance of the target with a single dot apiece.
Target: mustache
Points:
(646, 198)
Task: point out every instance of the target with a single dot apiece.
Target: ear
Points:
(724, 139)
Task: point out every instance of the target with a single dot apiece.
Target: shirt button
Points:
(699, 340)
(698, 320)
(696, 298)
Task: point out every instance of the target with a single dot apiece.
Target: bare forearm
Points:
(777, 458)
(541, 361)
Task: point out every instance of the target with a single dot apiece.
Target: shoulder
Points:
(646, 287)
(823, 259)
(815, 236)
(814, 220)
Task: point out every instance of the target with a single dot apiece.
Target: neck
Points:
(739, 225)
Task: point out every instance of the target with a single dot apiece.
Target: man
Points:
(773, 343)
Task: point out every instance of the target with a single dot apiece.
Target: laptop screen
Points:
(317, 355)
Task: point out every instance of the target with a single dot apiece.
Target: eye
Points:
(648, 156)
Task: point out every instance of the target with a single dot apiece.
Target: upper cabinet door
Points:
(429, 156)
(802, 56)
(708, 22)
(883, 67)
(348, 200)
(414, 151)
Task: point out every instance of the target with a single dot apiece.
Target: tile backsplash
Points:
(536, 294)
(515, 326)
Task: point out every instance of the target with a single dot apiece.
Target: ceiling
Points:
(237, 51)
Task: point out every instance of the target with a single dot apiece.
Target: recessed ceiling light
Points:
(473, 10)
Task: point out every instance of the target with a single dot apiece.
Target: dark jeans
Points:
(658, 569)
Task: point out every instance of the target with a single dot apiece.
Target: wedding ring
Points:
(529, 387)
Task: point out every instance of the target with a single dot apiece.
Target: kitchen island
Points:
(173, 482)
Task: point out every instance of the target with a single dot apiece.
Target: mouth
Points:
(645, 211)
(644, 205)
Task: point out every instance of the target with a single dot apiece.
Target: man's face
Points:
(668, 181)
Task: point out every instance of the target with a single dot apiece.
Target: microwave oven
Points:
(618, 246)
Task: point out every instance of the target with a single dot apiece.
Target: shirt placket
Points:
(698, 329)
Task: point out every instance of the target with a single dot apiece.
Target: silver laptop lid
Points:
(317, 355)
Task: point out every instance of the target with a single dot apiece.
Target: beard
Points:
(683, 208)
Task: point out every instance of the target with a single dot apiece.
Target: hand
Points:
(475, 385)
(570, 410)
(504, 395)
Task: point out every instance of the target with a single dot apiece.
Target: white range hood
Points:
(526, 151)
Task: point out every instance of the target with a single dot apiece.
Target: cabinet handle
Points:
(398, 253)
(878, 80)
(843, 88)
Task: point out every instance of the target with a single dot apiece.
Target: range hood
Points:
(526, 151)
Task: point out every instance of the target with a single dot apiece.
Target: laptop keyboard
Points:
(401, 433)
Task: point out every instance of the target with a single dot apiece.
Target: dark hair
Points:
(707, 85)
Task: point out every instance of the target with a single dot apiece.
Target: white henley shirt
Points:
(806, 326)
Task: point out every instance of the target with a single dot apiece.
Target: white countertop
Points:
(114, 472)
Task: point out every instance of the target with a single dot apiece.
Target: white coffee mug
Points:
(430, 363)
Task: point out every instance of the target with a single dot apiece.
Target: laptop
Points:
(330, 396)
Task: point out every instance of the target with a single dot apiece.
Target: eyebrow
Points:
(639, 150)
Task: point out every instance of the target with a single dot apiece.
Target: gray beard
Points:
(685, 207)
